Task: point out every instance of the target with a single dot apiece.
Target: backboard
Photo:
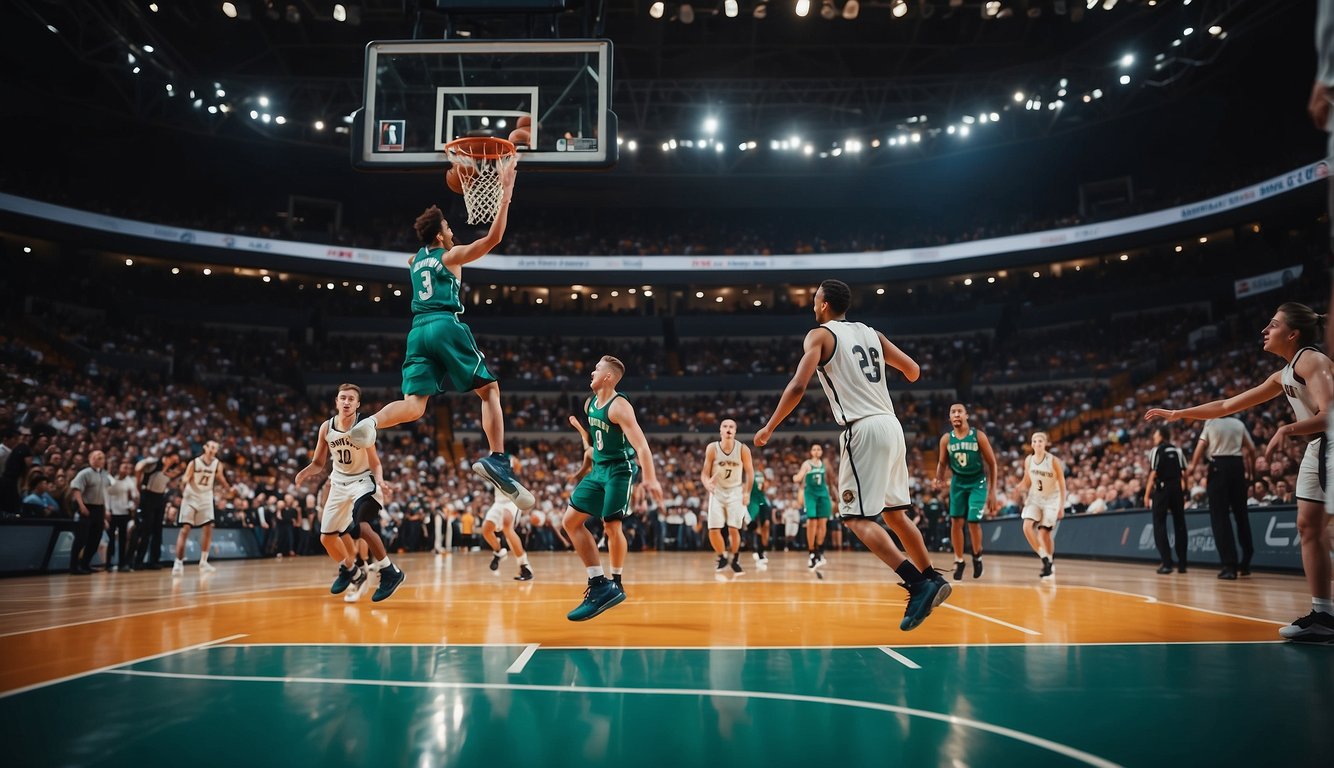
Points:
(420, 94)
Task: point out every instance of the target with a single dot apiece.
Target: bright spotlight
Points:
(229, 10)
(710, 125)
(655, 10)
(730, 9)
(1127, 59)
(900, 9)
(340, 12)
(803, 8)
(1125, 79)
(1018, 97)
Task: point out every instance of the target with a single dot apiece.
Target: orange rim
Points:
(481, 147)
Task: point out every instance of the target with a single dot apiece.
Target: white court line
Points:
(984, 617)
(1152, 599)
(522, 661)
(112, 667)
(900, 658)
(743, 648)
(955, 720)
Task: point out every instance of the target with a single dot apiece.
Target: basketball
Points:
(524, 121)
(453, 181)
(521, 137)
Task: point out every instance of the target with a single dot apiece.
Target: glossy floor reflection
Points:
(1107, 664)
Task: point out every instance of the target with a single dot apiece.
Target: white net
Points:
(478, 170)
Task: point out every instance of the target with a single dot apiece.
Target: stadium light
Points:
(730, 9)
(686, 14)
(900, 9)
(339, 12)
(710, 125)
(229, 10)
(656, 10)
(803, 8)
(850, 9)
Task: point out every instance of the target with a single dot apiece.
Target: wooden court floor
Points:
(1106, 664)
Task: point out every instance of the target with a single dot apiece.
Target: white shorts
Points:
(502, 507)
(872, 467)
(1043, 511)
(340, 506)
(727, 508)
(1308, 476)
(195, 510)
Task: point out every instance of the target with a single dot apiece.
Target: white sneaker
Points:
(362, 434)
(353, 593)
(178, 569)
(207, 568)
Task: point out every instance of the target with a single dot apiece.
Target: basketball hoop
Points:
(478, 161)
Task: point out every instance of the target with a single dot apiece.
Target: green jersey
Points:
(757, 494)
(815, 484)
(434, 287)
(609, 442)
(965, 455)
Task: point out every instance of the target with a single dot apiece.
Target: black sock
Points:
(360, 563)
(759, 549)
(909, 573)
(616, 577)
(977, 555)
(498, 455)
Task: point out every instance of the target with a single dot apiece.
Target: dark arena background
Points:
(1066, 213)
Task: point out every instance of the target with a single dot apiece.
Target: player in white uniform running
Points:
(201, 474)
(1044, 477)
(728, 475)
(853, 360)
(501, 515)
(1308, 382)
(356, 494)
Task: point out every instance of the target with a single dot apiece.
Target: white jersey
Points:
(201, 481)
(1299, 396)
(727, 468)
(1041, 476)
(348, 459)
(854, 376)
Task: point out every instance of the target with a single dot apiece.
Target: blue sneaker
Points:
(597, 598)
(390, 580)
(343, 581)
(497, 472)
(923, 597)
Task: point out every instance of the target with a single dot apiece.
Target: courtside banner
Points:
(1269, 281)
(1032, 241)
(1129, 536)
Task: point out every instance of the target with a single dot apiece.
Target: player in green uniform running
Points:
(442, 355)
(972, 464)
(760, 516)
(814, 493)
(606, 490)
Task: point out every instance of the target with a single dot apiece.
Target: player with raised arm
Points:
(356, 494)
(618, 443)
(1307, 380)
(852, 360)
(442, 355)
(1044, 479)
(728, 475)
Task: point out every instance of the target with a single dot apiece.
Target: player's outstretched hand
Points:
(1160, 413)
(655, 490)
(763, 436)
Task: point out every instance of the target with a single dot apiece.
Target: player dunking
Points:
(972, 464)
(813, 490)
(852, 360)
(728, 476)
(442, 355)
(1308, 382)
(201, 474)
(605, 491)
(355, 497)
(1044, 477)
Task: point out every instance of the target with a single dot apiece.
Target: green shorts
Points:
(968, 498)
(760, 513)
(442, 356)
(818, 508)
(605, 491)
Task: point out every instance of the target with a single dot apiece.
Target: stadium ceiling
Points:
(925, 71)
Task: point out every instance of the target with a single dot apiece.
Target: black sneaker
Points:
(1164, 568)
(977, 567)
(616, 578)
(1314, 627)
(1227, 574)
(497, 471)
(923, 597)
(736, 567)
(525, 574)
(600, 595)
(958, 570)
(390, 579)
(722, 564)
(814, 561)
(343, 581)
(497, 557)
(1047, 568)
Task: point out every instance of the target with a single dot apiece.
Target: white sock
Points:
(383, 563)
(1323, 605)
(958, 561)
(203, 557)
(1042, 553)
(180, 561)
(523, 560)
(594, 571)
(616, 571)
